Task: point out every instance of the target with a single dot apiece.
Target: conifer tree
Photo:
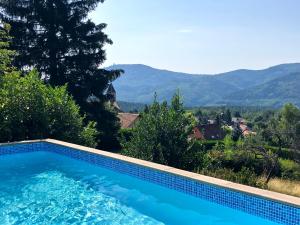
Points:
(57, 38)
(6, 55)
(227, 116)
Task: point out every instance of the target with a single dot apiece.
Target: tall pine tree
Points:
(57, 38)
(6, 55)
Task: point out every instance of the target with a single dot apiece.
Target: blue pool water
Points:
(47, 188)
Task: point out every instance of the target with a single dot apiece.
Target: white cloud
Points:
(185, 31)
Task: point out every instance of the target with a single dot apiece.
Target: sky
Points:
(201, 36)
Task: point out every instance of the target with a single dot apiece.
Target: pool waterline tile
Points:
(269, 205)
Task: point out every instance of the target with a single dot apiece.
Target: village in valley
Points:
(206, 128)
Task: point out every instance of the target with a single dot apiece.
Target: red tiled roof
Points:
(197, 134)
(128, 120)
(246, 130)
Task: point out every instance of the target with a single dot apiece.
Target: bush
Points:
(284, 152)
(29, 109)
(234, 159)
(244, 176)
(210, 144)
(289, 169)
(125, 134)
(194, 157)
(161, 135)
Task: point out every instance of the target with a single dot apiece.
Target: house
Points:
(211, 121)
(197, 134)
(208, 132)
(246, 131)
(238, 120)
(242, 123)
(128, 120)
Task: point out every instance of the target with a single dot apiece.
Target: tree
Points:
(269, 160)
(201, 117)
(282, 130)
(162, 134)
(237, 114)
(6, 55)
(236, 133)
(288, 125)
(57, 38)
(32, 110)
(219, 120)
(228, 117)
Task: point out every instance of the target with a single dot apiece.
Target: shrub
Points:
(210, 144)
(244, 176)
(29, 109)
(125, 134)
(289, 169)
(194, 157)
(161, 135)
(235, 159)
(284, 152)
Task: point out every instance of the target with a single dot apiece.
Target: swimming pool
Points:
(56, 184)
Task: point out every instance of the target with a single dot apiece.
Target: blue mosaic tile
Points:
(274, 211)
(20, 148)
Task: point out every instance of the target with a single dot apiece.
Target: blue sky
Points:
(201, 36)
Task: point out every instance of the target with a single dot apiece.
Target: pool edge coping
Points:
(273, 196)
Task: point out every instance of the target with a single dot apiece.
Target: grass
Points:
(285, 186)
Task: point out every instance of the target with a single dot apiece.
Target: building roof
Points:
(197, 134)
(238, 120)
(212, 131)
(128, 120)
(246, 130)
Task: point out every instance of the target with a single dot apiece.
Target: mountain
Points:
(269, 87)
(275, 92)
(250, 78)
(131, 107)
(139, 83)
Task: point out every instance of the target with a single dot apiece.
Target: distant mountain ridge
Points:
(273, 86)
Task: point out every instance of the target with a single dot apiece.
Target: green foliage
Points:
(249, 160)
(281, 131)
(284, 153)
(161, 135)
(125, 135)
(210, 144)
(229, 144)
(236, 133)
(201, 117)
(58, 39)
(6, 55)
(30, 109)
(289, 169)
(194, 157)
(237, 114)
(227, 116)
(244, 176)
